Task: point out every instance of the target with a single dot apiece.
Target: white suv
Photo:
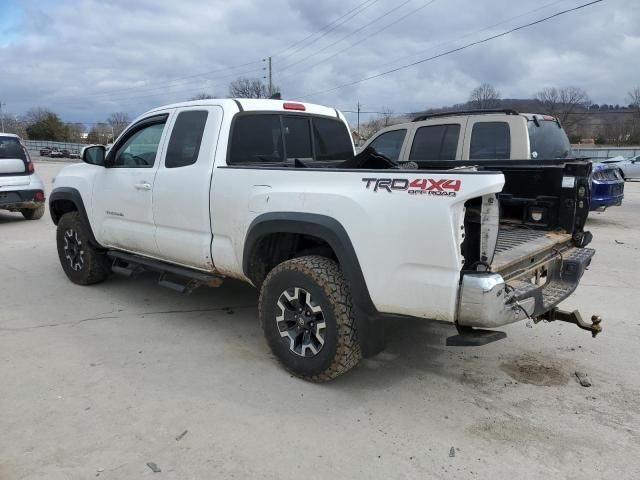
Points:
(21, 189)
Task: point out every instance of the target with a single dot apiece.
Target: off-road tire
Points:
(94, 266)
(33, 213)
(323, 279)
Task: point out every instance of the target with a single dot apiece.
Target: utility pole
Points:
(359, 122)
(270, 79)
(2, 115)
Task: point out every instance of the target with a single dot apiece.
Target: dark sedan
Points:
(607, 186)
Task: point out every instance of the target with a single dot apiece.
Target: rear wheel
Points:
(82, 262)
(307, 317)
(33, 213)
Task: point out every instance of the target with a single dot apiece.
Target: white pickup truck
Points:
(270, 192)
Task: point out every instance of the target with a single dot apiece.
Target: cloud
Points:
(88, 58)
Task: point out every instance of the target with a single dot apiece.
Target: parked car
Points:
(55, 153)
(45, 152)
(74, 155)
(607, 186)
(66, 153)
(271, 193)
(21, 189)
(629, 167)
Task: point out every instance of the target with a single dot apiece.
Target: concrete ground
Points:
(98, 381)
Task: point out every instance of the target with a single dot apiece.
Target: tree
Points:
(202, 96)
(100, 133)
(634, 99)
(74, 132)
(118, 121)
(43, 124)
(248, 88)
(484, 96)
(563, 103)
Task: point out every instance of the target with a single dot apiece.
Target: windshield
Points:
(10, 148)
(548, 140)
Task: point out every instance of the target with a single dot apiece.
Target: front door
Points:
(123, 192)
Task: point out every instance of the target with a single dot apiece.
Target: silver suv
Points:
(21, 189)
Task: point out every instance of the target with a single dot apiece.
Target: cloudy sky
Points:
(87, 58)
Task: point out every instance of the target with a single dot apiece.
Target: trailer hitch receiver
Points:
(574, 317)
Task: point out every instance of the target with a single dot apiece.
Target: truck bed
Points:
(516, 244)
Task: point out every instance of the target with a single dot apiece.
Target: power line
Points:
(411, 12)
(360, 8)
(346, 36)
(454, 50)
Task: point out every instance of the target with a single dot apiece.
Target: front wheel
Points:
(307, 317)
(82, 262)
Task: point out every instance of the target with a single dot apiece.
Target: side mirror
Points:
(94, 155)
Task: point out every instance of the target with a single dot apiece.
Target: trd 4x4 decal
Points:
(419, 186)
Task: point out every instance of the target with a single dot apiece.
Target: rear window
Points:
(276, 138)
(548, 141)
(490, 141)
(435, 142)
(10, 147)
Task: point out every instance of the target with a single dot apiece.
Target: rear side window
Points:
(186, 137)
(269, 137)
(389, 144)
(436, 142)
(255, 139)
(10, 147)
(332, 139)
(490, 140)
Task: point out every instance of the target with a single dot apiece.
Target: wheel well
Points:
(60, 207)
(274, 248)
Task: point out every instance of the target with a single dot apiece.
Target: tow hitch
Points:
(574, 317)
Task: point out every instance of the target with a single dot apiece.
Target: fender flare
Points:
(320, 226)
(72, 195)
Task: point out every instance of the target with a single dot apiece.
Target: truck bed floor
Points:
(516, 243)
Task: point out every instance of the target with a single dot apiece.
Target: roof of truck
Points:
(256, 105)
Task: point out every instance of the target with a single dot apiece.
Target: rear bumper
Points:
(606, 193)
(18, 199)
(487, 301)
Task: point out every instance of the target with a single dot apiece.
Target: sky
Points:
(85, 59)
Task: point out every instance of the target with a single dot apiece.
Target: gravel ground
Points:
(99, 381)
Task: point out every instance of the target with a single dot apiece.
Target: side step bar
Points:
(180, 279)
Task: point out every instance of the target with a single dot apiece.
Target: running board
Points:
(474, 337)
(180, 279)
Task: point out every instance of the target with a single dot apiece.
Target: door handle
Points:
(143, 186)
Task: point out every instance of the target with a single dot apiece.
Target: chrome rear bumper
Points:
(487, 301)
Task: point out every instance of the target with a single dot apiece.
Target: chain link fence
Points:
(36, 145)
(602, 153)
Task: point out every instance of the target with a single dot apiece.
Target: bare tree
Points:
(202, 96)
(563, 103)
(634, 99)
(484, 96)
(248, 88)
(118, 121)
(387, 116)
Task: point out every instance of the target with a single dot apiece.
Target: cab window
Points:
(435, 142)
(184, 144)
(490, 141)
(139, 148)
(389, 144)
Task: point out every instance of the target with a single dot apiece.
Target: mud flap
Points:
(474, 337)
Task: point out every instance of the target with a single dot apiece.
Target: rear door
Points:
(13, 163)
(435, 142)
(181, 209)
